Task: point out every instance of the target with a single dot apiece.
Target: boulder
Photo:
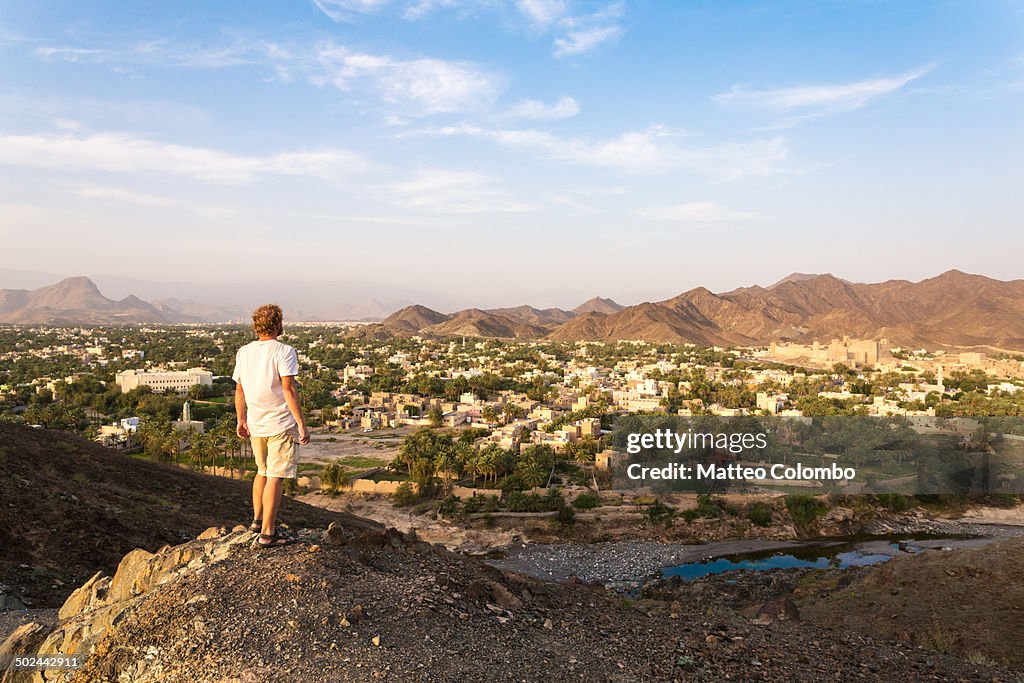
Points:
(212, 533)
(87, 596)
(779, 609)
(504, 597)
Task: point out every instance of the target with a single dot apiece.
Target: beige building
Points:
(178, 382)
(852, 352)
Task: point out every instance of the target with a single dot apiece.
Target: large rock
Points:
(85, 597)
(779, 609)
(102, 602)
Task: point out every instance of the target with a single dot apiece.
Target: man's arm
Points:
(241, 412)
(291, 397)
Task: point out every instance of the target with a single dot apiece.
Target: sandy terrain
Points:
(452, 536)
(380, 445)
(1013, 516)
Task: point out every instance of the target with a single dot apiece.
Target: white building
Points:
(178, 382)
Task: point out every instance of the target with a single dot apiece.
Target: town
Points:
(518, 407)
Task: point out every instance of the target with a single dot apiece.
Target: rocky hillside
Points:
(954, 309)
(71, 507)
(351, 601)
(348, 605)
(925, 599)
(77, 300)
(412, 319)
(473, 322)
(598, 305)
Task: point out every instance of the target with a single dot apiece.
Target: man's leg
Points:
(271, 503)
(259, 482)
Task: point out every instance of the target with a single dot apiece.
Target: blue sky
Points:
(513, 150)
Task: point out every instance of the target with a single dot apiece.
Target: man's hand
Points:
(242, 430)
(303, 434)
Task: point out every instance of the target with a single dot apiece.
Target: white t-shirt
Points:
(259, 367)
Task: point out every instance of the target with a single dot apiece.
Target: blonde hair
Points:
(267, 320)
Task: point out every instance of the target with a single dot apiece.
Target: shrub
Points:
(708, 507)
(566, 515)
(760, 514)
(448, 506)
(404, 495)
(515, 501)
(658, 512)
(894, 501)
(423, 508)
(333, 477)
(553, 500)
(586, 501)
(804, 508)
(1003, 500)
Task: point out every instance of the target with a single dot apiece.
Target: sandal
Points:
(256, 526)
(273, 540)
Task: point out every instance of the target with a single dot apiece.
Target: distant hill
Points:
(200, 311)
(598, 305)
(227, 301)
(800, 277)
(412, 319)
(77, 300)
(954, 309)
(473, 322)
(535, 316)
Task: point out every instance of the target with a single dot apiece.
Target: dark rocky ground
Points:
(359, 603)
(627, 565)
(69, 507)
(383, 606)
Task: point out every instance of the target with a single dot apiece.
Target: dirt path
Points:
(1013, 516)
(450, 535)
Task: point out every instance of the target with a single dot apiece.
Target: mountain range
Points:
(77, 300)
(954, 309)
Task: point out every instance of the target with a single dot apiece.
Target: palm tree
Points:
(489, 414)
(532, 473)
(202, 447)
(511, 412)
(447, 463)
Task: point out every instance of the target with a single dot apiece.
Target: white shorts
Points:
(277, 457)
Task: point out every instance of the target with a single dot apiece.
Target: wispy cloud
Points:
(696, 212)
(420, 85)
(566, 107)
(454, 192)
(818, 99)
(656, 149)
(544, 13)
(160, 53)
(428, 85)
(575, 31)
(584, 40)
(127, 196)
(343, 10)
(128, 153)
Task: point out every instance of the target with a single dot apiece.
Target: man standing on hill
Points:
(267, 405)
